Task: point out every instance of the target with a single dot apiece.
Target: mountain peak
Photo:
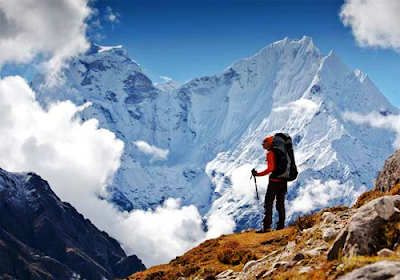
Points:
(168, 85)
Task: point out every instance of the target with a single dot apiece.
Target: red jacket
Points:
(270, 166)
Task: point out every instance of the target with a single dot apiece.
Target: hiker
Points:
(281, 166)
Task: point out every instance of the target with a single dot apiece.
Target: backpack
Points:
(286, 168)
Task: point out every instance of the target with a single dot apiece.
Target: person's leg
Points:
(269, 200)
(280, 205)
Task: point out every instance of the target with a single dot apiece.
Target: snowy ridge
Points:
(213, 126)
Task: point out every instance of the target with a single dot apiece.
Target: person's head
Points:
(267, 143)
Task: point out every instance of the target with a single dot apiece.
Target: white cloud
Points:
(165, 78)
(374, 23)
(167, 232)
(154, 152)
(112, 16)
(75, 156)
(243, 186)
(78, 160)
(301, 105)
(317, 195)
(218, 224)
(391, 122)
(54, 29)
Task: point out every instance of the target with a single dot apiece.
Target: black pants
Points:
(278, 190)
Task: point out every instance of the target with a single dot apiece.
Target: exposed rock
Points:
(386, 253)
(248, 265)
(375, 271)
(305, 269)
(315, 251)
(328, 217)
(268, 273)
(278, 264)
(329, 234)
(389, 176)
(361, 235)
(225, 274)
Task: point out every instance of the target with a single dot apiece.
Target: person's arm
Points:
(270, 165)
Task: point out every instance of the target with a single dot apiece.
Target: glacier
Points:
(213, 126)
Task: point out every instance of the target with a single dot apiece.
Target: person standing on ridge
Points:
(276, 189)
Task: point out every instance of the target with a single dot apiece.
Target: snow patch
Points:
(106, 49)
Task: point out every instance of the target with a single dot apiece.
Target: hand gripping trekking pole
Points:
(255, 182)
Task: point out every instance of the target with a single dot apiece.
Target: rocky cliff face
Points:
(389, 176)
(42, 237)
(212, 128)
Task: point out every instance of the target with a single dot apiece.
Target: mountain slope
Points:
(302, 250)
(44, 238)
(213, 126)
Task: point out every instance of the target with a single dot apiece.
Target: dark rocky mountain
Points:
(42, 237)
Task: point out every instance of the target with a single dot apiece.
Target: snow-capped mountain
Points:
(212, 128)
(168, 85)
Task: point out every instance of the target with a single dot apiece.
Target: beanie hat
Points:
(269, 139)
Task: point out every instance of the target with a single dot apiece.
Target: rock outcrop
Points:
(389, 176)
(380, 270)
(363, 233)
(42, 237)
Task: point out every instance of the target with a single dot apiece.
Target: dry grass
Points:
(368, 196)
(371, 195)
(309, 220)
(395, 190)
(217, 255)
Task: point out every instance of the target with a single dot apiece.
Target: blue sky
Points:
(186, 39)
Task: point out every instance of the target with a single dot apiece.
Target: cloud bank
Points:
(391, 122)
(317, 194)
(53, 29)
(153, 151)
(374, 23)
(76, 157)
(78, 160)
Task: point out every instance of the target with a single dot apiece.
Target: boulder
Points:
(386, 253)
(329, 234)
(362, 233)
(328, 217)
(379, 270)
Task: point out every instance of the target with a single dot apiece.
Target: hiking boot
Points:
(263, 230)
(279, 227)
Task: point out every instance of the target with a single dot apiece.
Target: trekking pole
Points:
(255, 182)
